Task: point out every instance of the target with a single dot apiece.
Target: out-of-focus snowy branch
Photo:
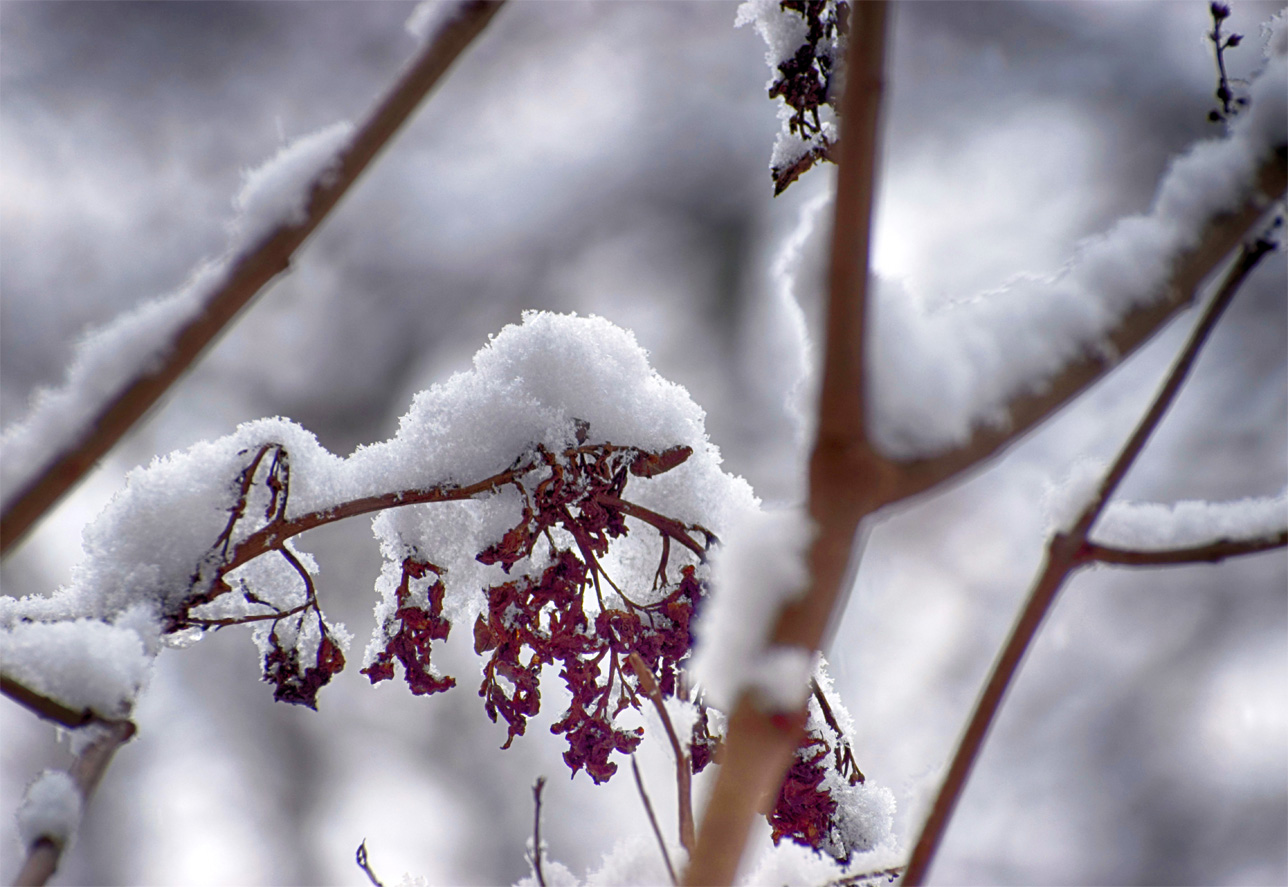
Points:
(126, 368)
(1068, 551)
(54, 802)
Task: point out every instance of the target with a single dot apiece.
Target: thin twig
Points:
(683, 770)
(652, 820)
(47, 708)
(86, 772)
(244, 277)
(365, 864)
(855, 880)
(536, 829)
(1066, 552)
(1208, 553)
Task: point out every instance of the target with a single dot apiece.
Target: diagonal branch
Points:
(244, 277)
(1221, 235)
(1066, 553)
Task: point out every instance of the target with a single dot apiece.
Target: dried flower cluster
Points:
(807, 82)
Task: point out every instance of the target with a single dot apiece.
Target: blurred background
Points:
(612, 158)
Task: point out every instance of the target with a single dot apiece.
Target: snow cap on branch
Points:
(50, 809)
(759, 567)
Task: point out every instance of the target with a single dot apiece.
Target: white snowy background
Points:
(611, 158)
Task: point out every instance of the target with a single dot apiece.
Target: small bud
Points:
(1220, 11)
(1233, 40)
(1214, 116)
(1223, 93)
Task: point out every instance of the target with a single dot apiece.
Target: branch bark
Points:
(847, 478)
(1208, 553)
(245, 276)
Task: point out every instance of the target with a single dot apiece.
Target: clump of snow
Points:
(50, 809)
(429, 17)
(935, 377)
(82, 663)
(1275, 33)
(1065, 502)
(1148, 526)
(534, 384)
(760, 567)
(277, 192)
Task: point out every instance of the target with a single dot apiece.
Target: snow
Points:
(937, 376)
(1065, 502)
(1149, 526)
(89, 643)
(277, 192)
(51, 809)
(137, 342)
(760, 567)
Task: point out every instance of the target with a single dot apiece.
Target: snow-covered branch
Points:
(122, 370)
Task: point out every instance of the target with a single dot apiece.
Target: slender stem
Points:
(652, 820)
(44, 706)
(536, 829)
(683, 771)
(365, 864)
(1207, 553)
(86, 772)
(1066, 552)
(245, 276)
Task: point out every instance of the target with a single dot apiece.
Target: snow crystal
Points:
(277, 192)
(429, 17)
(760, 567)
(782, 30)
(1142, 526)
(937, 376)
(1275, 32)
(50, 809)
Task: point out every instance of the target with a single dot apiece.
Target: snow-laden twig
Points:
(652, 820)
(69, 430)
(44, 851)
(1067, 551)
(683, 770)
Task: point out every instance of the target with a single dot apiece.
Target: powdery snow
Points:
(759, 567)
(50, 809)
(88, 644)
(1149, 526)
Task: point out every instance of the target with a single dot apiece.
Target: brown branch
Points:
(86, 772)
(1208, 553)
(652, 820)
(888, 875)
(244, 277)
(536, 829)
(1066, 552)
(45, 707)
(846, 477)
(683, 771)
(1221, 235)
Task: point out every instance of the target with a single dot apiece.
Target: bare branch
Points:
(47, 708)
(1209, 553)
(86, 772)
(244, 277)
(652, 820)
(683, 772)
(1066, 552)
